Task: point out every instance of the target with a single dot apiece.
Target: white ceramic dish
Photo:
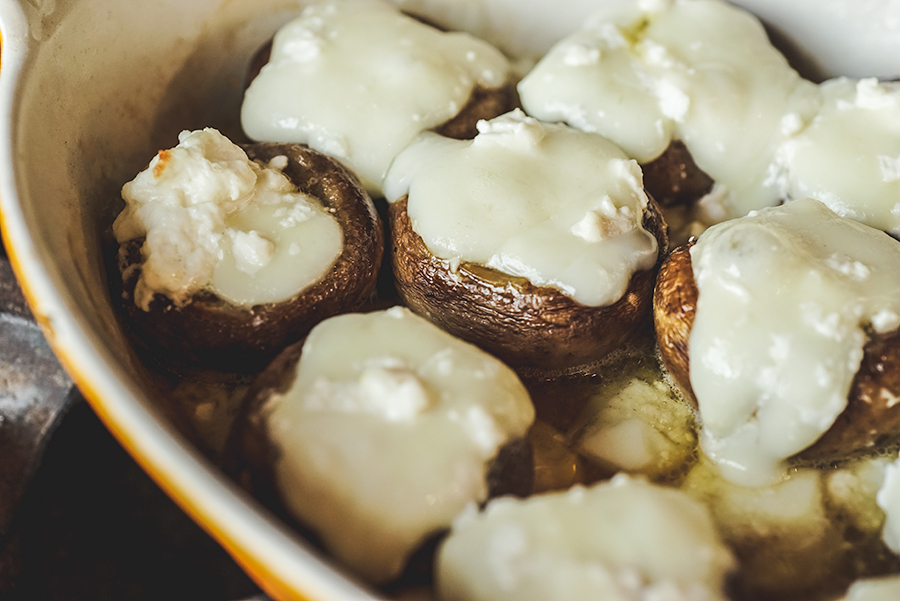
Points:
(90, 90)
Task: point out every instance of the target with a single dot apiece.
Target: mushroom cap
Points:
(211, 332)
(538, 330)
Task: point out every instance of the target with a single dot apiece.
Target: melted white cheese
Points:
(386, 433)
(549, 203)
(849, 156)
(884, 588)
(358, 80)
(785, 296)
(623, 540)
(702, 71)
(214, 220)
(888, 499)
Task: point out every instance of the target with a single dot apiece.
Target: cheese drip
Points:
(358, 80)
(386, 433)
(785, 298)
(549, 203)
(214, 220)
(622, 540)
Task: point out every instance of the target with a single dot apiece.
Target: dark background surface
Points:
(93, 526)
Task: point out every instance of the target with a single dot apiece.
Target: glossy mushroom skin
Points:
(208, 331)
(872, 416)
(483, 103)
(536, 330)
(674, 309)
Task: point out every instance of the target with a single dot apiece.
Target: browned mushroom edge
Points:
(537, 330)
(872, 417)
(208, 331)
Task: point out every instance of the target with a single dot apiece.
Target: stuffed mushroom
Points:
(535, 241)
(227, 255)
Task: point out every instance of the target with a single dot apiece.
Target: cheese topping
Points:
(849, 156)
(358, 80)
(702, 71)
(386, 434)
(623, 540)
(884, 588)
(888, 499)
(213, 220)
(549, 203)
(785, 298)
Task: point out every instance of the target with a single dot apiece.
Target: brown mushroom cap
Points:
(536, 330)
(211, 332)
(872, 416)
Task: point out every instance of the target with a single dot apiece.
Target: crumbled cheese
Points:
(890, 168)
(213, 220)
(251, 251)
(581, 55)
(873, 95)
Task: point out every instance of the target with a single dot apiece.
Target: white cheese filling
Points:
(549, 203)
(358, 80)
(387, 432)
(785, 297)
(623, 540)
(702, 71)
(849, 156)
(214, 220)
(884, 588)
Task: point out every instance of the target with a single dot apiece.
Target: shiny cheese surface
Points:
(357, 80)
(849, 156)
(885, 588)
(785, 298)
(622, 540)
(549, 203)
(214, 220)
(702, 71)
(387, 433)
